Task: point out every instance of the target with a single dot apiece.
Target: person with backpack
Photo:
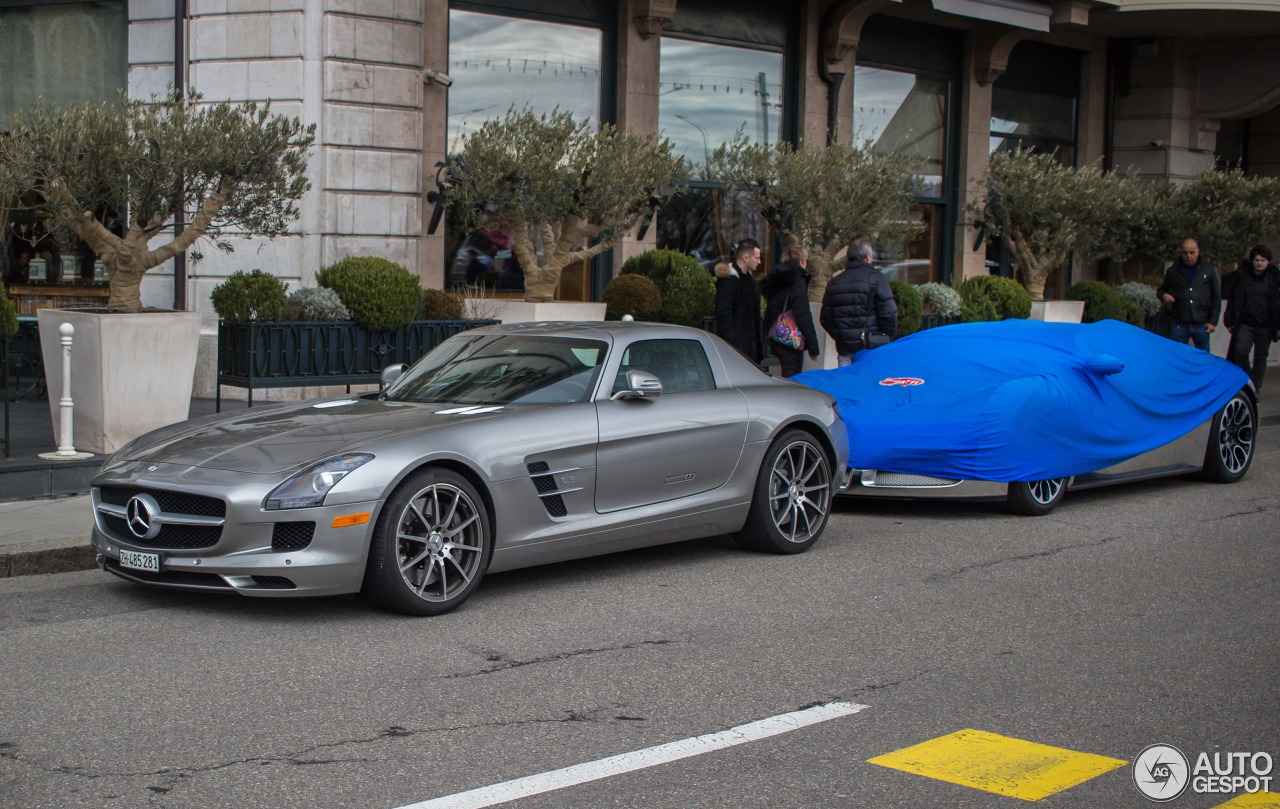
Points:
(787, 318)
(858, 309)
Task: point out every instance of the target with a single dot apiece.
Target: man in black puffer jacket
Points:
(858, 300)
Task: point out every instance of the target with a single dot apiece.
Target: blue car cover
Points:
(1022, 399)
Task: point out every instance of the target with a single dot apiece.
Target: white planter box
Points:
(130, 374)
(1057, 311)
(528, 312)
(828, 358)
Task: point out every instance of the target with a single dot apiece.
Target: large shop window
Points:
(497, 63)
(61, 56)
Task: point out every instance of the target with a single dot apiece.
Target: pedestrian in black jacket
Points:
(738, 301)
(858, 300)
(1253, 313)
(786, 287)
(1194, 290)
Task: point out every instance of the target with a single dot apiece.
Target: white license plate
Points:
(149, 562)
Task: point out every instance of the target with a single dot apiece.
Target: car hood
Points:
(280, 438)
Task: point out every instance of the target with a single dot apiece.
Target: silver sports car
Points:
(505, 447)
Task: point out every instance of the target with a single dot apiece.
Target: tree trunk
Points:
(823, 262)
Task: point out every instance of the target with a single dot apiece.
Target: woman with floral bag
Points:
(787, 318)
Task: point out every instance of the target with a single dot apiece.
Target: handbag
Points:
(874, 339)
(784, 331)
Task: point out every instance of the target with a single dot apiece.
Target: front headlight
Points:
(309, 487)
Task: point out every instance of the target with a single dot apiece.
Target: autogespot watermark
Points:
(1161, 772)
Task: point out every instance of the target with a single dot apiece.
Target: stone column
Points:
(639, 35)
(435, 127)
(975, 134)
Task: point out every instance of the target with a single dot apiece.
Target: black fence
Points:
(292, 355)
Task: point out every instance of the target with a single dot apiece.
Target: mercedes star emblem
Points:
(140, 514)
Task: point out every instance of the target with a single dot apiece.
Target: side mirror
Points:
(391, 373)
(640, 385)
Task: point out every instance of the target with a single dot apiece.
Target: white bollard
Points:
(66, 443)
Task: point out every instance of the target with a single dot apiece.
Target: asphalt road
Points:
(1130, 616)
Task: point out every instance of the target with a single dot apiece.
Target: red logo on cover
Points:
(904, 381)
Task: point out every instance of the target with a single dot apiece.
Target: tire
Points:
(1035, 498)
(792, 499)
(431, 545)
(1232, 438)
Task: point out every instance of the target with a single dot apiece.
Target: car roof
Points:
(594, 329)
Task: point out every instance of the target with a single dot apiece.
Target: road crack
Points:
(505, 663)
(960, 571)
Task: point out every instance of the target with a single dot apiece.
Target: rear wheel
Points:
(1035, 498)
(792, 497)
(1231, 438)
(431, 545)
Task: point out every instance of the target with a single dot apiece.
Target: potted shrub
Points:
(633, 295)
(940, 305)
(688, 291)
(567, 192)
(115, 175)
(1103, 302)
(345, 332)
(910, 307)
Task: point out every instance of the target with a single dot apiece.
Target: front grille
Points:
(553, 503)
(172, 502)
(178, 578)
(292, 536)
(274, 583)
(903, 479)
(171, 536)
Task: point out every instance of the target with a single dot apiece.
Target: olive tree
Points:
(822, 199)
(1226, 212)
(567, 191)
(102, 170)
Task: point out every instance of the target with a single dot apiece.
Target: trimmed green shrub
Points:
(8, 317)
(910, 307)
(314, 305)
(440, 305)
(1103, 302)
(381, 294)
(688, 294)
(939, 299)
(1142, 295)
(655, 264)
(249, 296)
(978, 309)
(1006, 295)
(634, 295)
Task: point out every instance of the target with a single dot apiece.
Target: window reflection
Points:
(1037, 121)
(919, 260)
(707, 92)
(900, 112)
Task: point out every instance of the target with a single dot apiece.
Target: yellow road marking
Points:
(1255, 800)
(999, 764)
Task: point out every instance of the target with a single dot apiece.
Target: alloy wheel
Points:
(1235, 435)
(1045, 492)
(439, 542)
(799, 491)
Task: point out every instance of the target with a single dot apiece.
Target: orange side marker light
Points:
(351, 519)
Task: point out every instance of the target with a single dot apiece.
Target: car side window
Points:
(681, 365)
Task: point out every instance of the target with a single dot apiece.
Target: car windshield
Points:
(503, 369)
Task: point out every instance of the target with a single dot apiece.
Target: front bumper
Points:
(243, 561)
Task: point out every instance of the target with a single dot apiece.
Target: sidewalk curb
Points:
(1269, 421)
(47, 556)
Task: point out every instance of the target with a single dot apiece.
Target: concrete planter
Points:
(130, 373)
(528, 312)
(1057, 311)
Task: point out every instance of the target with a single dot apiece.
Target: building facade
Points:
(1165, 88)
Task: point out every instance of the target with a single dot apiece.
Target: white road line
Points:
(639, 759)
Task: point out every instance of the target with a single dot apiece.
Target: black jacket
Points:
(738, 311)
(787, 287)
(1236, 306)
(1197, 301)
(858, 299)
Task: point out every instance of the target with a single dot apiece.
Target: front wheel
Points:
(431, 545)
(1035, 498)
(1231, 437)
(792, 497)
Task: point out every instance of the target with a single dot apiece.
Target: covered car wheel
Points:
(792, 498)
(1035, 498)
(431, 545)
(1231, 437)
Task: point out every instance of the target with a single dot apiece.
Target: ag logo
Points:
(904, 381)
(1161, 772)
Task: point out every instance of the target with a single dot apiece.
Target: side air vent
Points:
(292, 536)
(544, 480)
(273, 583)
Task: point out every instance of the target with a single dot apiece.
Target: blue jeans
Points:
(1196, 332)
(845, 359)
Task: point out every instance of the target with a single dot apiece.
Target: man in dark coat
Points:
(1194, 290)
(786, 287)
(738, 301)
(1253, 313)
(858, 300)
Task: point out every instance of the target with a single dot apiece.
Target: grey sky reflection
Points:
(497, 62)
(706, 92)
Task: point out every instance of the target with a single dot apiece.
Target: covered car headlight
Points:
(309, 487)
